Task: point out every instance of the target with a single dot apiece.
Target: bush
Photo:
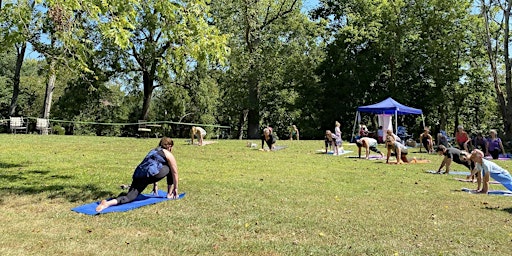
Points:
(59, 130)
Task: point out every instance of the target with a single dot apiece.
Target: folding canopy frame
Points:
(388, 106)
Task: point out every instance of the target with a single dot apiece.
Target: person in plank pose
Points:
(159, 163)
(368, 144)
(455, 155)
(485, 169)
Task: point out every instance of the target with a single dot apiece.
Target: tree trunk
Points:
(492, 61)
(507, 116)
(50, 85)
(148, 92)
(241, 122)
(16, 80)
(253, 115)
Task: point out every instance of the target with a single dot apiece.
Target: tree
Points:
(16, 17)
(168, 39)
(496, 16)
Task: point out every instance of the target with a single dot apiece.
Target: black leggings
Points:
(495, 153)
(139, 184)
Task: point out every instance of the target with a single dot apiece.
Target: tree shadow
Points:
(35, 182)
(9, 165)
(498, 208)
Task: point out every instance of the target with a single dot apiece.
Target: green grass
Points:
(240, 202)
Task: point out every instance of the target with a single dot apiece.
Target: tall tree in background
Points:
(258, 30)
(401, 49)
(169, 38)
(16, 25)
(496, 15)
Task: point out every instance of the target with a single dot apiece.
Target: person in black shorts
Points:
(455, 155)
(158, 164)
(368, 144)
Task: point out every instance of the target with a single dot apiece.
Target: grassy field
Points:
(240, 201)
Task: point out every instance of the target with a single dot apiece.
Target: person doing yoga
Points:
(158, 164)
(400, 152)
(485, 168)
(268, 138)
(455, 155)
(368, 144)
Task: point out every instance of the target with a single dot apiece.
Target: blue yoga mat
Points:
(451, 172)
(490, 192)
(141, 200)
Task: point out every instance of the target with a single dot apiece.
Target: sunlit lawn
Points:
(240, 201)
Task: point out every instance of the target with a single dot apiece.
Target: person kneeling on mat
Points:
(157, 164)
(485, 169)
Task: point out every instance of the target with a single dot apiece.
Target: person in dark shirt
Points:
(455, 155)
(158, 164)
(268, 138)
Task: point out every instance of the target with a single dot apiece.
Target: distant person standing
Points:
(337, 131)
(494, 145)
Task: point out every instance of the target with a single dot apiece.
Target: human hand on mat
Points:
(155, 189)
(173, 194)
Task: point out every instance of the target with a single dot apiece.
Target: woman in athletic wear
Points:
(268, 138)
(427, 140)
(494, 145)
(462, 138)
(158, 164)
(487, 169)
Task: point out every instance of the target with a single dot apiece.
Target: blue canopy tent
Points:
(388, 106)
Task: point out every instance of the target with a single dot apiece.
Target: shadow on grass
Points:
(55, 185)
(8, 165)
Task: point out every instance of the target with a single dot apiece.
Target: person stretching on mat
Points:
(333, 140)
(368, 144)
(268, 138)
(485, 169)
(158, 164)
(400, 152)
(455, 155)
(199, 133)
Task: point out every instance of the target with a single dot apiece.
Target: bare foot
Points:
(101, 206)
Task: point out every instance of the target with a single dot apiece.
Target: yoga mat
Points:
(339, 152)
(276, 148)
(378, 157)
(451, 172)
(330, 152)
(490, 192)
(474, 181)
(141, 200)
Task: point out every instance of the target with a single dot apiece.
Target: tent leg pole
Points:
(354, 129)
